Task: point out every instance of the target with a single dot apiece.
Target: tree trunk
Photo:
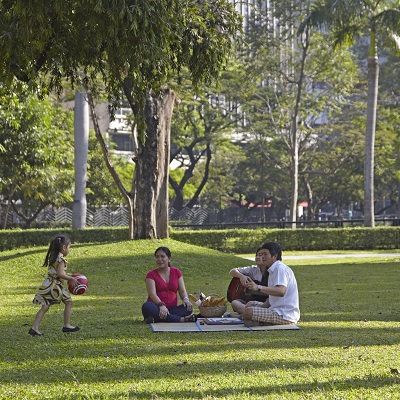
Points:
(310, 200)
(373, 73)
(148, 200)
(152, 169)
(204, 180)
(81, 146)
(28, 220)
(294, 137)
(5, 214)
(128, 196)
(178, 201)
(294, 172)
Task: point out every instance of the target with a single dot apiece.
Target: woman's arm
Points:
(244, 279)
(63, 275)
(152, 291)
(183, 294)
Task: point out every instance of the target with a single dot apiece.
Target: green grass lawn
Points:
(348, 346)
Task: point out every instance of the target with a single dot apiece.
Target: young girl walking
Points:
(52, 290)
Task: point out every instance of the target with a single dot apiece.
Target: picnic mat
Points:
(201, 326)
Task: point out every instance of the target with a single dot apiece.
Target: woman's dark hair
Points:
(55, 249)
(274, 249)
(260, 248)
(165, 250)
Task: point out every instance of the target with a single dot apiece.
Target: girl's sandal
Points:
(190, 318)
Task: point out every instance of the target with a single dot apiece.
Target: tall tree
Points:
(389, 88)
(333, 175)
(296, 84)
(100, 188)
(134, 47)
(387, 160)
(349, 20)
(202, 123)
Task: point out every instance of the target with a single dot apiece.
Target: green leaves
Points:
(121, 39)
(36, 164)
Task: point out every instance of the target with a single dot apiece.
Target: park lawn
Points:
(348, 346)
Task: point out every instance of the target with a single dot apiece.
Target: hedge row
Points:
(247, 240)
(11, 239)
(228, 240)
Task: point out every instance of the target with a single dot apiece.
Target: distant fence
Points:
(119, 216)
(197, 218)
(103, 216)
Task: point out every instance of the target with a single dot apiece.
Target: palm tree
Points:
(349, 20)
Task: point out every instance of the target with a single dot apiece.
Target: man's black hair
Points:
(274, 249)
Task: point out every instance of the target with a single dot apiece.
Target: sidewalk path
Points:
(353, 255)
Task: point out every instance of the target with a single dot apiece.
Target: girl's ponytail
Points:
(54, 249)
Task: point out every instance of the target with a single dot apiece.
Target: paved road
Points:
(353, 255)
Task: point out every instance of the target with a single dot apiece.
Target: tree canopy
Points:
(125, 41)
(379, 21)
(133, 47)
(37, 166)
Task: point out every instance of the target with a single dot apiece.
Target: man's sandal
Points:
(190, 318)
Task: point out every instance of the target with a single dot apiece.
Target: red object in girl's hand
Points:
(81, 286)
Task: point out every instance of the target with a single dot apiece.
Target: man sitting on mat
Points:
(282, 306)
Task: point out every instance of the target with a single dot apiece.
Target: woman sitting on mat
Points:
(162, 285)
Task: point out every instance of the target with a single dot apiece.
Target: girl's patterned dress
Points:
(52, 290)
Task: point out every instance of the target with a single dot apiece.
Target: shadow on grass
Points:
(42, 250)
(132, 367)
(327, 388)
(21, 253)
(345, 308)
(370, 382)
(137, 340)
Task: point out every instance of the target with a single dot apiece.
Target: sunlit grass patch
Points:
(347, 347)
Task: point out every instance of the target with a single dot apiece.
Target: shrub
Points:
(227, 240)
(247, 240)
(14, 238)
